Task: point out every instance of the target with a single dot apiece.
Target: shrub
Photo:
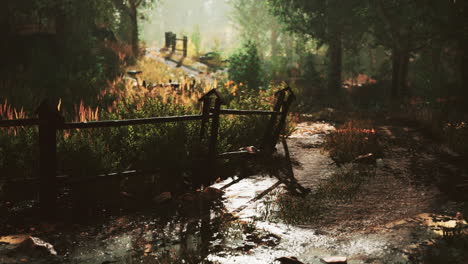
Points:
(245, 67)
(456, 135)
(354, 138)
(170, 148)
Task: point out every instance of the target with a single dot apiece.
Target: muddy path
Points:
(400, 208)
(403, 207)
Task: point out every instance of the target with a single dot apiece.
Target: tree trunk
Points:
(400, 63)
(395, 74)
(335, 54)
(435, 69)
(134, 30)
(464, 68)
(404, 89)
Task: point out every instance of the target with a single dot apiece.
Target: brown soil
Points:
(415, 176)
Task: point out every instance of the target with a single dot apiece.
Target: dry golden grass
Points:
(8, 112)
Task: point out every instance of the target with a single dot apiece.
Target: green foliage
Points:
(310, 72)
(195, 38)
(72, 59)
(245, 67)
(172, 149)
(254, 22)
(18, 153)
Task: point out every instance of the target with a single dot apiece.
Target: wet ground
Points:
(398, 210)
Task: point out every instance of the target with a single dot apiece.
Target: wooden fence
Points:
(171, 42)
(50, 121)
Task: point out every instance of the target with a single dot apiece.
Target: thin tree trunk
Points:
(464, 68)
(134, 29)
(435, 69)
(404, 89)
(400, 63)
(372, 59)
(394, 92)
(274, 42)
(335, 54)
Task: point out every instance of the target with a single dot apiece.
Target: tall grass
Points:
(170, 148)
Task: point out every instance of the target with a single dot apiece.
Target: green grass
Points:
(341, 187)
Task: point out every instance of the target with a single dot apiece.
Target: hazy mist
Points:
(184, 17)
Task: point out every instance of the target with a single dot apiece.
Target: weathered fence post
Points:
(185, 45)
(284, 115)
(49, 121)
(168, 39)
(213, 142)
(268, 143)
(208, 177)
(206, 105)
(174, 42)
(201, 171)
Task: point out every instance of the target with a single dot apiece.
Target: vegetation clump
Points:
(342, 186)
(353, 139)
(245, 67)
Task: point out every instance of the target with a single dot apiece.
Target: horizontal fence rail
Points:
(129, 122)
(19, 122)
(50, 121)
(245, 112)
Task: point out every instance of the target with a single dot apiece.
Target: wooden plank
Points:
(258, 197)
(50, 119)
(245, 112)
(108, 176)
(19, 122)
(128, 122)
(205, 116)
(268, 138)
(234, 153)
(232, 183)
(282, 122)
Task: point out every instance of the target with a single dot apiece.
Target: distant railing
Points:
(171, 42)
(50, 121)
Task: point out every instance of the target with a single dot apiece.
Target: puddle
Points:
(229, 231)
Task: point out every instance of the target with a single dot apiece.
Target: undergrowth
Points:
(453, 249)
(342, 186)
(171, 148)
(353, 139)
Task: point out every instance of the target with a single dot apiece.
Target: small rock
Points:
(289, 260)
(334, 260)
(250, 149)
(162, 198)
(37, 246)
(380, 163)
(365, 159)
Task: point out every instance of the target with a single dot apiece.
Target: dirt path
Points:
(313, 163)
(401, 208)
(398, 207)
